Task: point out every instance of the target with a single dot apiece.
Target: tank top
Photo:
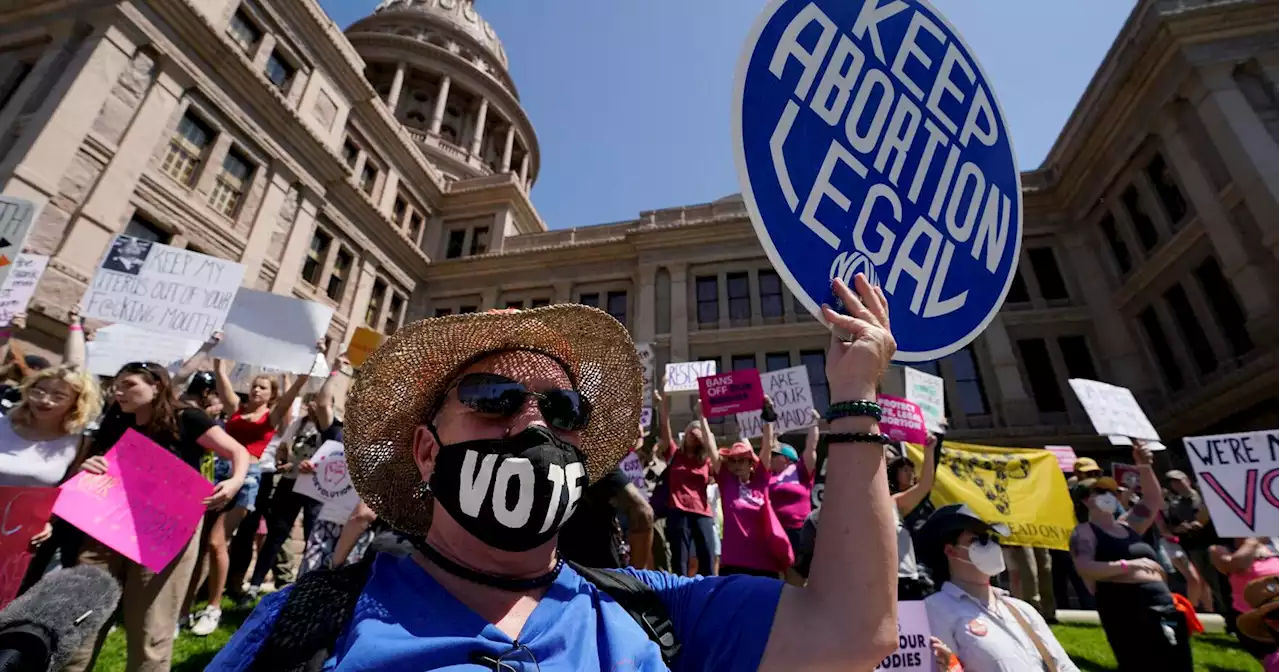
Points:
(254, 435)
(1131, 547)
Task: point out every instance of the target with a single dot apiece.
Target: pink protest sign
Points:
(23, 514)
(1127, 476)
(902, 420)
(729, 393)
(146, 506)
(1066, 457)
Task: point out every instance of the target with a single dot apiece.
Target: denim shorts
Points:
(248, 494)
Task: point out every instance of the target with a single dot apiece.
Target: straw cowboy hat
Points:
(1261, 595)
(409, 374)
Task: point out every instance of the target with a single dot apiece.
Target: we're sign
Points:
(1237, 475)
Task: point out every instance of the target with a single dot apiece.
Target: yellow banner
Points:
(1021, 487)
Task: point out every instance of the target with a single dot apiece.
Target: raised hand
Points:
(854, 367)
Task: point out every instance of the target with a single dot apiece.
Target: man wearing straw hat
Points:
(475, 435)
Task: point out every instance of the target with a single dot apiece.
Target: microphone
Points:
(40, 630)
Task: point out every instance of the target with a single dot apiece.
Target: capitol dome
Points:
(459, 15)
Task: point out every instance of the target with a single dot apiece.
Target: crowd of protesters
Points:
(551, 393)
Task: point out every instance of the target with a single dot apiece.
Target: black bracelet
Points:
(858, 437)
(853, 409)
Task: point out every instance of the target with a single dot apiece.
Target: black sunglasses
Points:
(566, 410)
(140, 367)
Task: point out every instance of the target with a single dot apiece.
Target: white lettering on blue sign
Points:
(867, 140)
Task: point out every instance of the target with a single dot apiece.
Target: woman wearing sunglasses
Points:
(144, 400)
(1144, 628)
(691, 466)
(476, 435)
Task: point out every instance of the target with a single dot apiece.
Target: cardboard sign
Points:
(632, 468)
(20, 285)
(1127, 476)
(926, 391)
(1237, 478)
(115, 345)
(1066, 457)
(868, 139)
(146, 506)
(273, 330)
(25, 512)
(792, 400)
(16, 216)
(902, 420)
(162, 289)
(683, 376)
(915, 651)
(330, 483)
(363, 343)
(729, 393)
(1113, 410)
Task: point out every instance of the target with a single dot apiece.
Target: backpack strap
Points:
(314, 615)
(641, 602)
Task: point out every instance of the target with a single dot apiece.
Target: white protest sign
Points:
(16, 216)
(683, 376)
(1113, 410)
(330, 483)
(273, 330)
(926, 391)
(915, 651)
(792, 400)
(1237, 475)
(115, 345)
(162, 289)
(20, 285)
(633, 469)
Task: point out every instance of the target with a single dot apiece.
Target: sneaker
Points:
(206, 622)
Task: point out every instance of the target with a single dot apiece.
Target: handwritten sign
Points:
(25, 512)
(683, 376)
(1237, 474)
(118, 344)
(915, 651)
(330, 483)
(20, 285)
(273, 330)
(648, 369)
(926, 391)
(16, 216)
(1113, 410)
(146, 506)
(730, 393)
(792, 400)
(902, 420)
(363, 343)
(162, 289)
(1066, 457)
(633, 469)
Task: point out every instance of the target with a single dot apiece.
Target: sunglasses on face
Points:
(566, 410)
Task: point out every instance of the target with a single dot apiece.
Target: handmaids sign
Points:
(868, 139)
(1237, 475)
(792, 400)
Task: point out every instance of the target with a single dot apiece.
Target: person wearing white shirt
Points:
(983, 626)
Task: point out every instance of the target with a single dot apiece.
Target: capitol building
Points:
(385, 170)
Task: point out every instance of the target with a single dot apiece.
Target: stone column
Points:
(1247, 148)
(753, 291)
(679, 311)
(295, 248)
(646, 304)
(442, 97)
(1255, 289)
(432, 237)
(524, 171)
(265, 46)
(360, 303)
(357, 169)
(211, 164)
(489, 298)
(477, 136)
(387, 201)
(1017, 405)
(563, 292)
(397, 83)
(264, 223)
(722, 299)
(507, 146)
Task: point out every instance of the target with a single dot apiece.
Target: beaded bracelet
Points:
(853, 409)
(858, 437)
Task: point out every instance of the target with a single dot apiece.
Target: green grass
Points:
(1087, 646)
(190, 653)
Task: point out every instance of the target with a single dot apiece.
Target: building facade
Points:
(386, 171)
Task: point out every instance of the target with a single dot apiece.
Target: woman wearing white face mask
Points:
(1145, 629)
(983, 626)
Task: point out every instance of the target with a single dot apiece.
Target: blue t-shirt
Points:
(404, 620)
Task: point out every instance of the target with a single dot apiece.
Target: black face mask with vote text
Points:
(512, 493)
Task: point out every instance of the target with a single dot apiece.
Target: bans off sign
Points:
(730, 393)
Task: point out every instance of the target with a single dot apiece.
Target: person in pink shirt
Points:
(744, 498)
(690, 528)
(791, 479)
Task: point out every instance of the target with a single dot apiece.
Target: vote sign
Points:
(868, 139)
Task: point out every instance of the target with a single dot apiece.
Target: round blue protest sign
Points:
(868, 139)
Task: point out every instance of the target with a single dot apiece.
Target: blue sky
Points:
(630, 100)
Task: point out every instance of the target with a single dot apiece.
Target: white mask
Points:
(987, 558)
(1106, 501)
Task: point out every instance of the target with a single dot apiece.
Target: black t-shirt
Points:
(192, 424)
(592, 536)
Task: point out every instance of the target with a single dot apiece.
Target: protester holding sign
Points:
(908, 494)
(144, 400)
(1143, 626)
(754, 541)
(17, 365)
(690, 467)
(792, 479)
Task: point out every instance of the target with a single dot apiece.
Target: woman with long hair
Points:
(690, 466)
(144, 400)
(252, 424)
